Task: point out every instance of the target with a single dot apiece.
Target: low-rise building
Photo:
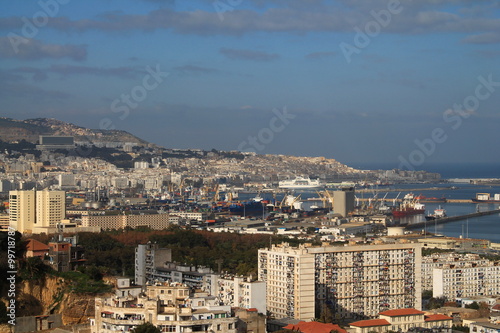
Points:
(153, 221)
(169, 306)
(35, 248)
(403, 320)
(484, 327)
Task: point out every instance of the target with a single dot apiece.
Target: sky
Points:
(404, 83)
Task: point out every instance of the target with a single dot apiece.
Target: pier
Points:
(451, 219)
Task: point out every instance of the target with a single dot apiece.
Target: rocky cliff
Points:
(52, 295)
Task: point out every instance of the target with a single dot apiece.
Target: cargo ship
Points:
(410, 206)
(439, 213)
(253, 207)
(300, 183)
(486, 198)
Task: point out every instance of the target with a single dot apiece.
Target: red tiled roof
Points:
(370, 323)
(252, 310)
(401, 312)
(496, 307)
(437, 316)
(314, 327)
(34, 245)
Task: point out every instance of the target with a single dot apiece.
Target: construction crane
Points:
(394, 201)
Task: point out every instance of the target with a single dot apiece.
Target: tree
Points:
(427, 294)
(146, 328)
(484, 310)
(436, 302)
(472, 305)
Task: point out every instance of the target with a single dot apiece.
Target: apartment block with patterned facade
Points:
(456, 282)
(441, 260)
(356, 281)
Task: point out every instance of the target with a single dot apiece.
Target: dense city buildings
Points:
(154, 265)
(172, 307)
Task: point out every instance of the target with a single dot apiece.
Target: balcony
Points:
(122, 321)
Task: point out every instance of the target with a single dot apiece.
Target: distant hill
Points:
(30, 129)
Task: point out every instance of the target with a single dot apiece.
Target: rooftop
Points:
(401, 312)
(314, 327)
(436, 317)
(34, 245)
(370, 323)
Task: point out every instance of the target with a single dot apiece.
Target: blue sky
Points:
(362, 81)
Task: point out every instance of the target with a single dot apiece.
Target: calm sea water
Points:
(484, 227)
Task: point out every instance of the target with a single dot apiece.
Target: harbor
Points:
(452, 219)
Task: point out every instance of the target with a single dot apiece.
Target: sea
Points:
(483, 227)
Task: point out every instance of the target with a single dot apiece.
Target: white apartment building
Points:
(22, 210)
(241, 292)
(153, 221)
(35, 211)
(147, 257)
(357, 281)
(454, 282)
(198, 216)
(440, 260)
(169, 306)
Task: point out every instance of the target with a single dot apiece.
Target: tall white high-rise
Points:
(356, 281)
(50, 208)
(22, 210)
(31, 210)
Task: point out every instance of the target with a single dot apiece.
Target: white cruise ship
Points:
(300, 183)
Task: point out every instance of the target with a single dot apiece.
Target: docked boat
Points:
(486, 198)
(439, 213)
(410, 206)
(300, 183)
(253, 207)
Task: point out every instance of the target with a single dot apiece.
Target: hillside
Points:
(30, 130)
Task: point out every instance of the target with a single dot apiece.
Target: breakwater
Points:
(452, 219)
